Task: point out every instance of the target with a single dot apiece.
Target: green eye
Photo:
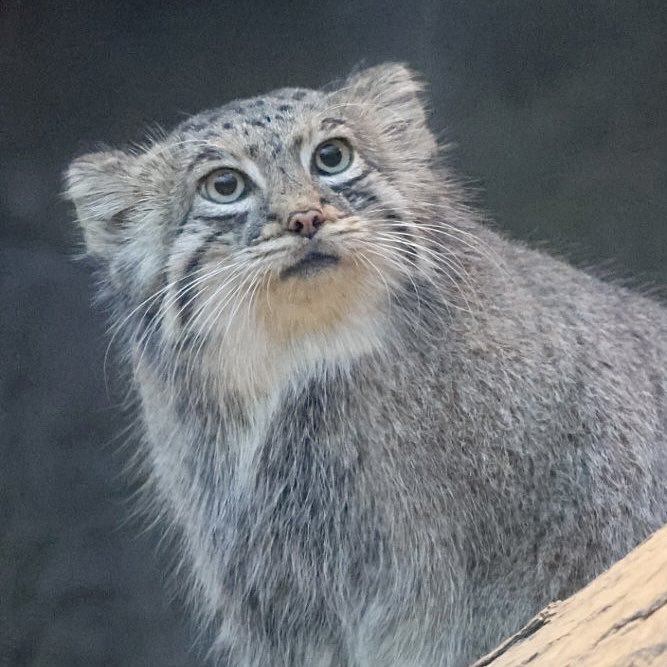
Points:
(224, 186)
(333, 156)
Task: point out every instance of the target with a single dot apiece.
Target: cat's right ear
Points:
(100, 187)
(395, 96)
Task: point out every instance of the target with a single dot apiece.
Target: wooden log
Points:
(618, 620)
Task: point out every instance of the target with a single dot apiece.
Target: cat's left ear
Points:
(101, 187)
(394, 95)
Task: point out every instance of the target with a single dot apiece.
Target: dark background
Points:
(558, 110)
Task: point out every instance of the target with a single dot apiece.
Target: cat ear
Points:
(101, 187)
(394, 94)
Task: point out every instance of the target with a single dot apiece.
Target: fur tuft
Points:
(101, 187)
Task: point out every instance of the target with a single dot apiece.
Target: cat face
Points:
(293, 213)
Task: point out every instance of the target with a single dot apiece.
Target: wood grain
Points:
(618, 620)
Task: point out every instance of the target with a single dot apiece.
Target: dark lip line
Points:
(314, 259)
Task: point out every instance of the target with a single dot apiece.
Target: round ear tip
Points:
(385, 71)
(95, 174)
(97, 162)
(100, 187)
(389, 81)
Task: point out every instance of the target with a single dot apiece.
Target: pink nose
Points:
(305, 223)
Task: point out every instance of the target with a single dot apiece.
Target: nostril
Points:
(306, 223)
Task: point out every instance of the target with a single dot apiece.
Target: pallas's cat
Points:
(385, 435)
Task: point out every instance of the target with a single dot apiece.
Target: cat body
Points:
(386, 435)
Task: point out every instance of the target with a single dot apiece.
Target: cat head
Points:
(294, 213)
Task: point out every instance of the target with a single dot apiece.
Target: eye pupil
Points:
(333, 156)
(330, 155)
(226, 184)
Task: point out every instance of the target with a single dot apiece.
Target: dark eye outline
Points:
(208, 191)
(346, 162)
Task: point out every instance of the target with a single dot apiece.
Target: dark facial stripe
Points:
(227, 222)
(119, 220)
(359, 177)
(186, 295)
(358, 199)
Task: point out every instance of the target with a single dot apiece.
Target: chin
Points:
(319, 293)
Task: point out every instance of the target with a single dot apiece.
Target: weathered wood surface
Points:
(618, 620)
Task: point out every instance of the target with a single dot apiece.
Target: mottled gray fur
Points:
(391, 459)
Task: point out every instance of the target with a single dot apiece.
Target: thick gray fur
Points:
(415, 451)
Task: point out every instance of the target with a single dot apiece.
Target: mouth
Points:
(311, 263)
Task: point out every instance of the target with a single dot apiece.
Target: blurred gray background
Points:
(558, 110)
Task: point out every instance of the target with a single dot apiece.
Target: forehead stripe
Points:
(210, 153)
(331, 122)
